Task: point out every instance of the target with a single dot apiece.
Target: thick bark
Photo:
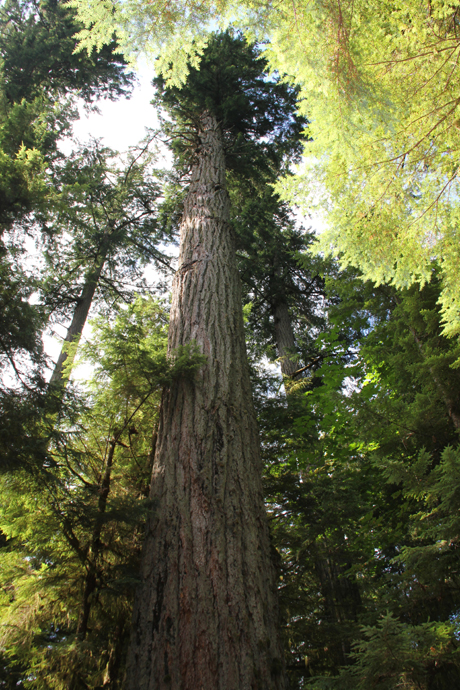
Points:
(205, 616)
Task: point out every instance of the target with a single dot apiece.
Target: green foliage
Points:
(269, 247)
(37, 47)
(256, 114)
(24, 140)
(103, 219)
(74, 526)
(393, 654)
(40, 81)
(362, 470)
(108, 205)
(22, 186)
(20, 322)
(136, 341)
(40, 76)
(431, 556)
(380, 84)
(177, 41)
(362, 488)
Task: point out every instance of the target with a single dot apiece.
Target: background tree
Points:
(40, 82)
(40, 77)
(104, 231)
(356, 483)
(284, 295)
(269, 246)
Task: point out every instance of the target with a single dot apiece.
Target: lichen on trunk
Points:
(205, 615)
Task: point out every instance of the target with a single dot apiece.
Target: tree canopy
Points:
(379, 84)
(360, 455)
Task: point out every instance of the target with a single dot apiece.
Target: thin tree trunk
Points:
(342, 596)
(285, 341)
(205, 615)
(112, 672)
(80, 315)
(95, 545)
(342, 601)
(92, 563)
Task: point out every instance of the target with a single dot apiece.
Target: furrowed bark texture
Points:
(205, 617)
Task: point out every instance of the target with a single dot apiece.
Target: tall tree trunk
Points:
(205, 616)
(285, 341)
(81, 312)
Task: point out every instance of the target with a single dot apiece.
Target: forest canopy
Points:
(380, 87)
(341, 346)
